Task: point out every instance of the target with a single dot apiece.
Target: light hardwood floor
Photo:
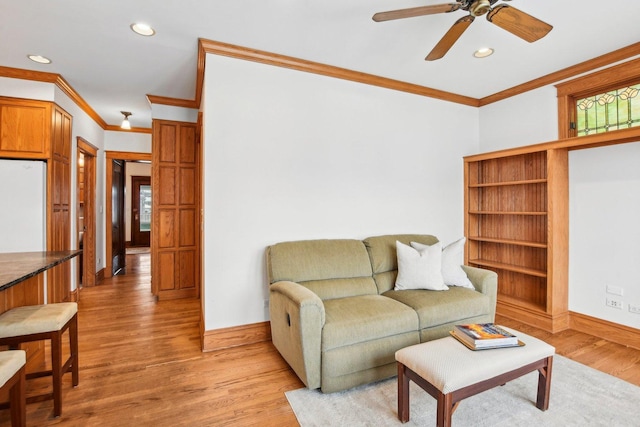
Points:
(141, 364)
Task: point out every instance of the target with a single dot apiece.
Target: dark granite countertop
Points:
(18, 266)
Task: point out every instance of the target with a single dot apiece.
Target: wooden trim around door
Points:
(89, 238)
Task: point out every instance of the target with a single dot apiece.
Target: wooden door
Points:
(175, 241)
(117, 218)
(140, 210)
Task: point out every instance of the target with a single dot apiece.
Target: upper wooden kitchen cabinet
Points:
(25, 128)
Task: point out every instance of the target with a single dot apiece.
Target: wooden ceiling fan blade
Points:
(416, 11)
(450, 38)
(518, 23)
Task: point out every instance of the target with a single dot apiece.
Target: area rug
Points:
(580, 396)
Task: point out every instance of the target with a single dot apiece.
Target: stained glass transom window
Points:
(613, 110)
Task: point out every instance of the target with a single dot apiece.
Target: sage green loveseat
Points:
(336, 319)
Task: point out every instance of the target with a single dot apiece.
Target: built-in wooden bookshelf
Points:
(513, 200)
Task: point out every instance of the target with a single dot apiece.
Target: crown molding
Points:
(239, 52)
(566, 73)
(174, 102)
(115, 128)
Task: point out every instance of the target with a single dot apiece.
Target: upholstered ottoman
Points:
(450, 372)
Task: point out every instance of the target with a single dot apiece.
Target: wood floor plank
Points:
(141, 365)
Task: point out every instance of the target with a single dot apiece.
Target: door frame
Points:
(90, 152)
(115, 155)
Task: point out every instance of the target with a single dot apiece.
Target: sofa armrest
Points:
(297, 318)
(486, 282)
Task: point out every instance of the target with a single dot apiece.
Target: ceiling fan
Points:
(506, 17)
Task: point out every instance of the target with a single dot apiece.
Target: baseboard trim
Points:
(614, 332)
(100, 276)
(219, 339)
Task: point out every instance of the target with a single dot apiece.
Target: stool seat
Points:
(10, 363)
(36, 319)
(448, 365)
(12, 378)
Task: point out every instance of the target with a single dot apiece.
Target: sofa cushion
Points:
(365, 318)
(436, 308)
(324, 266)
(420, 268)
(452, 272)
(384, 260)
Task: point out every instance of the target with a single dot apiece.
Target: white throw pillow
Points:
(419, 269)
(452, 271)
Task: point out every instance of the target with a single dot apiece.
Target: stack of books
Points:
(481, 336)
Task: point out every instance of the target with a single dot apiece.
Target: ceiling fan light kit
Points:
(506, 17)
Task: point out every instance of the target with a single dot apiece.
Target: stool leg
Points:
(544, 385)
(17, 399)
(403, 394)
(444, 409)
(56, 371)
(73, 345)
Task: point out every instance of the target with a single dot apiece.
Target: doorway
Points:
(140, 210)
(128, 159)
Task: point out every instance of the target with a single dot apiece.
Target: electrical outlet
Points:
(614, 302)
(266, 303)
(634, 309)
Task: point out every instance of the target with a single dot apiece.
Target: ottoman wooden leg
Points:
(445, 410)
(403, 394)
(544, 385)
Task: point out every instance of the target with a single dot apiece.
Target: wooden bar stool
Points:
(12, 378)
(45, 322)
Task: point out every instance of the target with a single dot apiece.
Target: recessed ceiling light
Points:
(483, 52)
(39, 59)
(143, 29)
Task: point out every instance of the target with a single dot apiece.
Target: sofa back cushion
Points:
(384, 259)
(330, 268)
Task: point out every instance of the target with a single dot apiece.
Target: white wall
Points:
(168, 112)
(291, 155)
(605, 231)
(603, 185)
(529, 118)
(28, 89)
(131, 142)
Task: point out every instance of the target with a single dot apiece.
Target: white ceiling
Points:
(113, 69)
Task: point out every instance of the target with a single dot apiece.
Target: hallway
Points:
(141, 364)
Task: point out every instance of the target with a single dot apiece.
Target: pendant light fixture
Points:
(125, 123)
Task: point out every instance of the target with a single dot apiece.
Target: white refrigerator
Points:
(23, 193)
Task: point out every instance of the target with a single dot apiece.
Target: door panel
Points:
(117, 217)
(175, 249)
